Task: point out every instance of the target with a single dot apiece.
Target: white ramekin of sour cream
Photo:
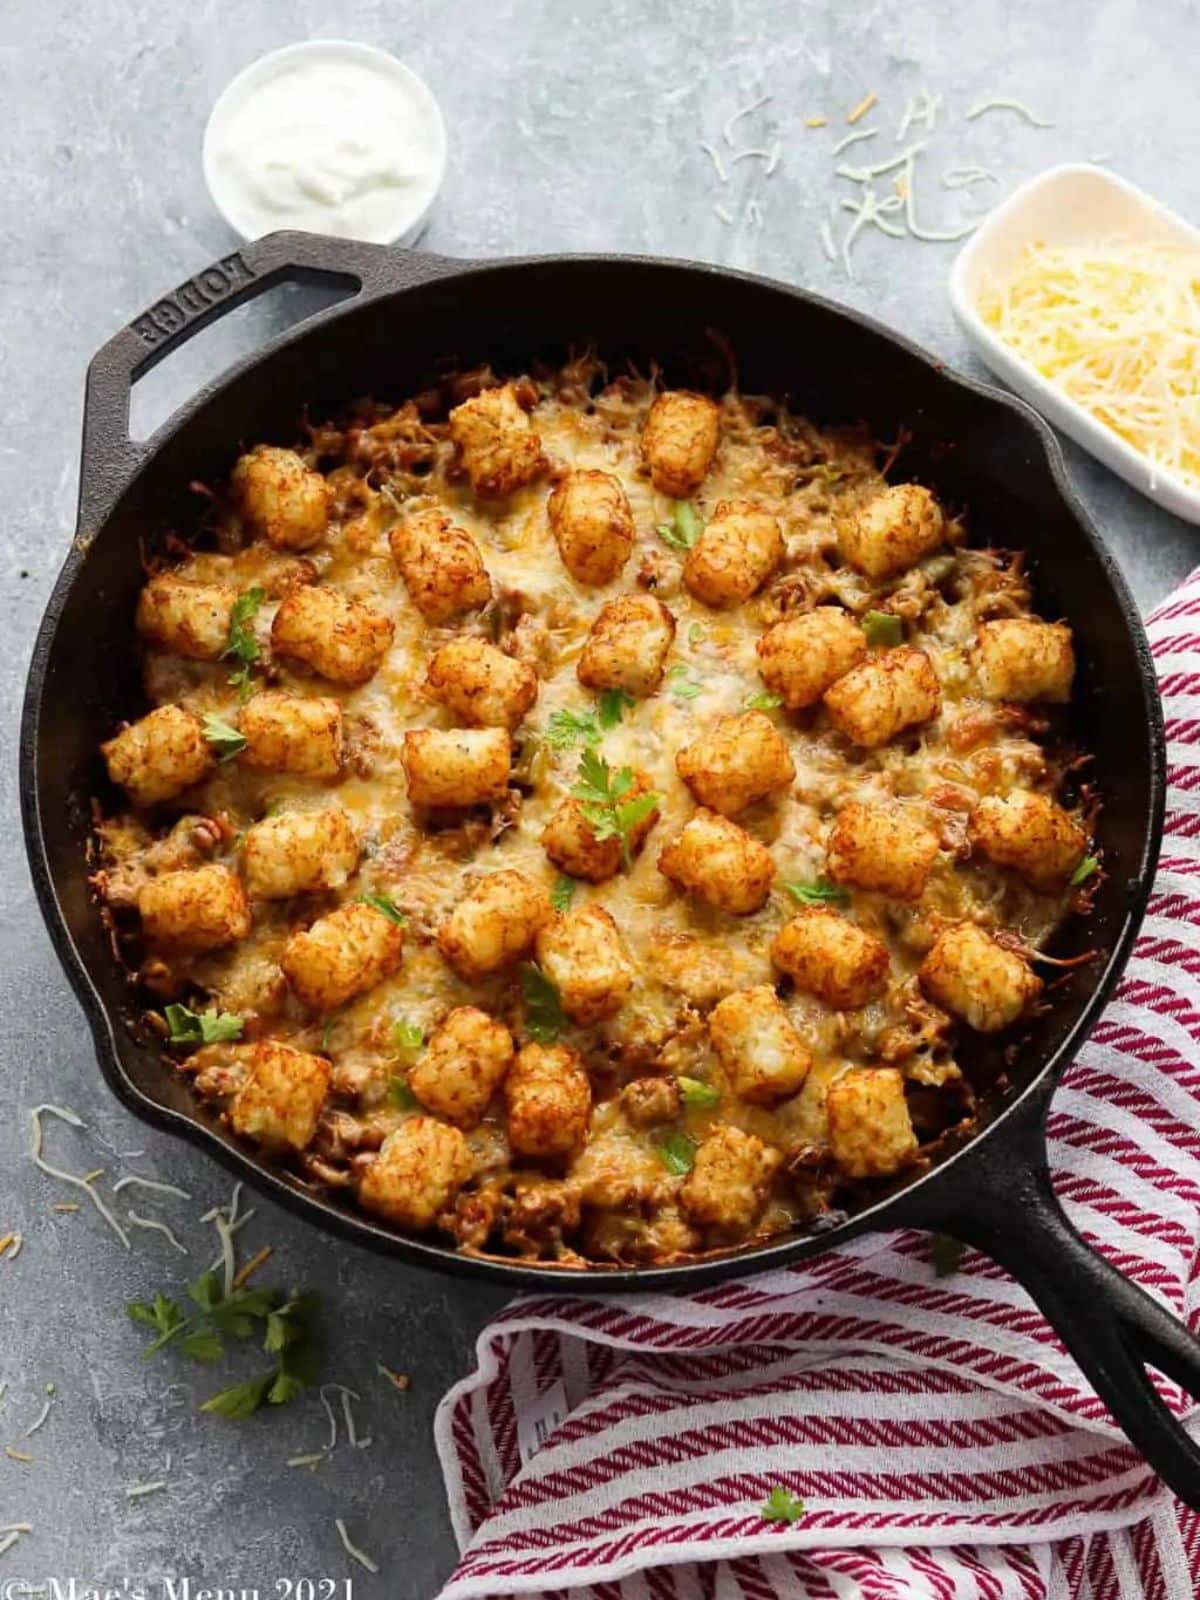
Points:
(329, 137)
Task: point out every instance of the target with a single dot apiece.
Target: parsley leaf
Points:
(243, 646)
(204, 1346)
(1085, 869)
(946, 1253)
(682, 686)
(781, 1505)
(882, 629)
(204, 1027)
(243, 1399)
(566, 729)
(161, 1314)
(612, 706)
(606, 810)
(698, 1095)
(684, 528)
(331, 1023)
(695, 633)
(562, 893)
(385, 904)
(762, 702)
(544, 1019)
(677, 1151)
(819, 893)
(400, 1096)
(407, 1037)
(224, 738)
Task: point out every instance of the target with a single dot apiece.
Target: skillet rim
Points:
(105, 1026)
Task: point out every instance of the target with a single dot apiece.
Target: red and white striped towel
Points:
(942, 1440)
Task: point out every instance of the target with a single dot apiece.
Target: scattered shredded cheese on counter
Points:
(150, 1183)
(861, 109)
(1116, 325)
(1003, 102)
(140, 1490)
(353, 1551)
(35, 1155)
(152, 1225)
(732, 122)
(853, 138)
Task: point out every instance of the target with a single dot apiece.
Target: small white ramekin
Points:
(1072, 204)
(410, 218)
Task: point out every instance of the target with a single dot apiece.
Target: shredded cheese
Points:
(151, 1224)
(16, 1455)
(965, 177)
(150, 1183)
(139, 1490)
(853, 138)
(731, 124)
(18, 1244)
(398, 1380)
(827, 243)
(312, 1462)
(1003, 102)
(35, 1155)
(724, 215)
(1116, 325)
(922, 107)
(714, 156)
(40, 1419)
(353, 1551)
(815, 122)
(861, 109)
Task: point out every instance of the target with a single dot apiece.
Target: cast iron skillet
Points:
(973, 444)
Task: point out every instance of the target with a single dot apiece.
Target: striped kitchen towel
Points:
(941, 1439)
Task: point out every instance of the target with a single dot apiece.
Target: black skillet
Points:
(974, 445)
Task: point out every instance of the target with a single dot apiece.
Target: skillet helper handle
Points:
(1005, 1205)
(110, 457)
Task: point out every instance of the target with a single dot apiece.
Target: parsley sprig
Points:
(566, 729)
(684, 528)
(677, 1151)
(562, 893)
(243, 646)
(201, 1027)
(608, 809)
(287, 1324)
(819, 893)
(781, 1505)
(223, 736)
(612, 706)
(544, 1018)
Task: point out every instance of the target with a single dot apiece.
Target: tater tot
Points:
(892, 532)
(828, 956)
(801, 657)
(1031, 834)
(549, 1101)
(283, 501)
(442, 568)
(722, 863)
(1019, 658)
(185, 618)
(891, 691)
(462, 1066)
(763, 1056)
(727, 1186)
(735, 555)
(299, 852)
(296, 733)
(198, 909)
(338, 637)
(679, 441)
(281, 1097)
(480, 684)
(968, 973)
(342, 955)
(870, 1130)
(627, 645)
(159, 756)
(420, 1168)
(738, 761)
(493, 925)
(456, 766)
(572, 844)
(497, 442)
(593, 525)
(880, 847)
(582, 954)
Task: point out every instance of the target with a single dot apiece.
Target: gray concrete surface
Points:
(572, 126)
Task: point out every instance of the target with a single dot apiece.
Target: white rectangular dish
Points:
(1072, 204)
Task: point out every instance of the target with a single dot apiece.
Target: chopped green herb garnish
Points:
(677, 1151)
(562, 893)
(819, 893)
(781, 1505)
(696, 633)
(566, 729)
(763, 702)
(1085, 869)
(681, 685)
(684, 528)
(544, 1019)
(243, 646)
(612, 706)
(385, 904)
(327, 1031)
(946, 1253)
(288, 1334)
(698, 1095)
(408, 1036)
(200, 1027)
(224, 738)
(606, 810)
(400, 1096)
(882, 629)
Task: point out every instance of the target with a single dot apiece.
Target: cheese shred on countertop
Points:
(1116, 325)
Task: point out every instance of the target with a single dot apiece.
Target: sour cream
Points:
(329, 137)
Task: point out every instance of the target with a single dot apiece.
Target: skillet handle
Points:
(110, 457)
(1002, 1201)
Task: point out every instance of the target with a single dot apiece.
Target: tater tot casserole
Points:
(589, 821)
